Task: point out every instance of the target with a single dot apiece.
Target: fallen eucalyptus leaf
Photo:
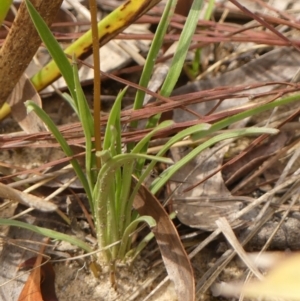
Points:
(173, 253)
(204, 204)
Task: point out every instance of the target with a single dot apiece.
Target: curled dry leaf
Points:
(23, 91)
(40, 283)
(31, 290)
(173, 253)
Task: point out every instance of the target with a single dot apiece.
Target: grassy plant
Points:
(109, 188)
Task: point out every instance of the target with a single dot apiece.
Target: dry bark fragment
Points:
(22, 43)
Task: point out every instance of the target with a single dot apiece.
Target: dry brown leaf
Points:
(32, 290)
(23, 91)
(40, 283)
(173, 253)
(44, 277)
(204, 204)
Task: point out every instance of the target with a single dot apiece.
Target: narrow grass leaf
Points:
(142, 145)
(102, 191)
(87, 123)
(85, 114)
(182, 49)
(165, 176)
(240, 116)
(71, 102)
(179, 55)
(47, 232)
(53, 47)
(126, 201)
(138, 148)
(4, 8)
(63, 143)
(130, 228)
(209, 10)
(153, 54)
(204, 127)
(113, 120)
(112, 143)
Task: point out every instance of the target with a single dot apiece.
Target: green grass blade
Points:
(179, 55)
(144, 242)
(126, 202)
(47, 232)
(130, 228)
(240, 116)
(64, 145)
(112, 142)
(136, 150)
(194, 70)
(102, 190)
(53, 47)
(114, 121)
(139, 147)
(153, 54)
(165, 176)
(142, 145)
(4, 8)
(209, 10)
(87, 123)
(85, 114)
(204, 127)
(182, 49)
(71, 102)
